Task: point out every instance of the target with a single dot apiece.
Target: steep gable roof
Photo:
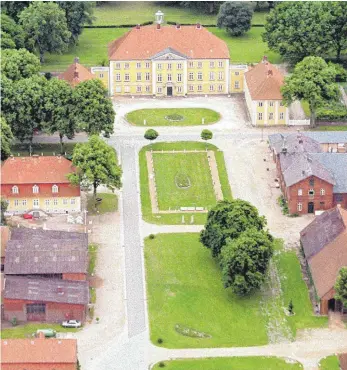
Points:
(76, 73)
(293, 143)
(264, 82)
(36, 169)
(145, 42)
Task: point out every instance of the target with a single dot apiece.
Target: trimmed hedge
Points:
(332, 112)
(121, 25)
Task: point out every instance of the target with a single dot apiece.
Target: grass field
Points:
(109, 203)
(193, 168)
(231, 363)
(45, 149)
(294, 288)
(331, 128)
(26, 331)
(329, 363)
(92, 48)
(184, 287)
(174, 219)
(157, 117)
(130, 12)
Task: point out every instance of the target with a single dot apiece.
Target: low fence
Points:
(299, 122)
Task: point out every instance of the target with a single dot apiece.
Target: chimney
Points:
(76, 60)
(198, 25)
(158, 26)
(284, 150)
(138, 26)
(178, 26)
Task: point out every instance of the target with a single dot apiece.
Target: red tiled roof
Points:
(145, 42)
(264, 82)
(76, 73)
(38, 351)
(36, 170)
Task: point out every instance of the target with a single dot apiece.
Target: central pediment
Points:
(169, 54)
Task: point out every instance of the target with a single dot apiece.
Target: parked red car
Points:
(27, 216)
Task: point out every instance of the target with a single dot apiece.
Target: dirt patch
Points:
(95, 281)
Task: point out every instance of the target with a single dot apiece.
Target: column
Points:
(110, 82)
(185, 77)
(227, 76)
(154, 78)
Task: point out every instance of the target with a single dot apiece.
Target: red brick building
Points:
(310, 179)
(324, 243)
(39, 354)
(42, 299)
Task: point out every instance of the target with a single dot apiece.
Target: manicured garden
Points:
(130, 12)
(169, 168)
(108, 203)
(173, 117)
(189, 307)
(231, 363)
(330, 363)
(27, 331)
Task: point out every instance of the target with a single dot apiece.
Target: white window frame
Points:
(159, 90)
(117, 65)
(199, 88)
(127, 77)
(138, 89)
(191, 64)
(179, 89)
(220, 76)
(237, 84)
(147, 76)
(127, 89)
(299, 207)
(47, 202)
(55, 201)
(179, 77)
(15, 189)
(199, 64)
(36, 202)
(117, 76)
(101, 75)
(169, 77)
(322, 191)
(73, 201)
(138, 76)
(271, 115)
(281, 115)
(199, 76)
(36, 189)
(260, 104)
(211, 64)
(220, 88)
(237, 73)
(271, 103)
(148, 65)
(179, 66)
(126, 66)
(138, 65)
(16, 202)
(24, 202)
(159, 77)
(65, 201)
(191, 87)
(169, 66)
(211, 88)
(148, 89)
(220, 64)
(299, 192)
(260, 116)
(55, 189)
(191, 76)
(212, 76)
(159, 66)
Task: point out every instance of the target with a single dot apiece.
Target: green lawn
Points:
(330, 363)
(188, 116)
(26, 331)
(331, 128)
(231, 363)
(45, 149)
(92, 253)
(174, 219)
(294, 288)
(184, 287)
(109, 203)
(191, 168)
(92, 48)
(129, 12)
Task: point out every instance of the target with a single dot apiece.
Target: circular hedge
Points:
(182, 180)
(174, 117)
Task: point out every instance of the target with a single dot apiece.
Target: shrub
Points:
(14, 321)
(161, 364)
(151, 134)
(151, 236)
(160, 341)
(283, 204)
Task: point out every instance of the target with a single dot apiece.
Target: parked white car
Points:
(71, 324)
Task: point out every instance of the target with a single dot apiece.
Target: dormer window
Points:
(15, 189)
(35, 189)
(54, 189)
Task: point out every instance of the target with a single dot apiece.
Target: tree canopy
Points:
(6, 139)
(235, 17)
(14, 8)
(341, 286)
(77, 13)
(227, 220)
(12, 34)
(22, 104)
(96, 164)
(46, 27)
(245, 260)
(206, 134)
(298, 29)
(18, 64)
(93, 109)
(312, 80)
(337, 11)
(59, 110)
(209, 7)
(151, 134)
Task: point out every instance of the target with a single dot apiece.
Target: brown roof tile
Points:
(38, 351)
(76, 73)
(264, 82)
(147, 41)
(36, 170)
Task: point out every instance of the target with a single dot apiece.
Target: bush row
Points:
(332, 114)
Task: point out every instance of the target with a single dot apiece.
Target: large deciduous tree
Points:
(227, 220)
(14, 8)
(45, 25)
(96, 164)
(77, 13)
(209, 7)
(59, 110)
(245, 260)
(298, 29)
(18, 64)
(12, 34)
(93, 109)
(341, 286)
(22, 105)
(235, 17)
(312, 80)
(6, 139)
